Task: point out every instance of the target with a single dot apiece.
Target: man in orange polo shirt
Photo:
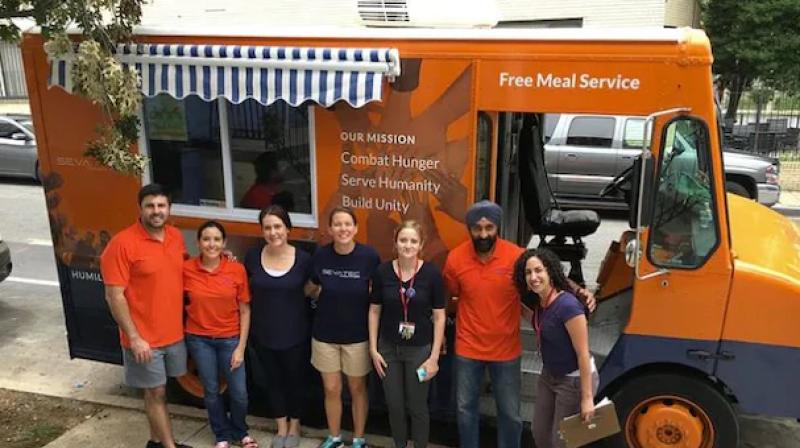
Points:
(480, 273)
(142, 269)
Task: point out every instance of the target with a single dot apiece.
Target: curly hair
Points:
(554, 269)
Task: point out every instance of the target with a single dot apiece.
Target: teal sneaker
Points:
(359, 443)
(330, 442)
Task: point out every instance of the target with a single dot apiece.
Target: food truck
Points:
(697, 300)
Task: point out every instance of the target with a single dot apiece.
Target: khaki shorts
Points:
(352, 359)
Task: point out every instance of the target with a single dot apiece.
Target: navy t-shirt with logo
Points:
(343, 305)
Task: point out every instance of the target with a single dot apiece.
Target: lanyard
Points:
(406, 294)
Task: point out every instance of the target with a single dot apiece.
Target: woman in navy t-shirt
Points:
(569, 378)
(406, 330)
(278, 273)
(340, 279)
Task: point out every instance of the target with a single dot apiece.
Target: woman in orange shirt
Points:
(217, 325)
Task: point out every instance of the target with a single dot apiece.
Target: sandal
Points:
(249, 442)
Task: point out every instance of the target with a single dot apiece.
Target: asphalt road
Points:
(33, 344)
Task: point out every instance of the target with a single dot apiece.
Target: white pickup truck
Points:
(584, 152)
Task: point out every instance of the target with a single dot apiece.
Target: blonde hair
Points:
(413, 225)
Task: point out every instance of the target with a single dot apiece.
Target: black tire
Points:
(736, 188)
(666, 390)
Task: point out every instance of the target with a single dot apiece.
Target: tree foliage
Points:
(754, 40)
(96, 74)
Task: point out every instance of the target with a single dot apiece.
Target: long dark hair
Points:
(209, 224)
(277, 211)
(554, 269)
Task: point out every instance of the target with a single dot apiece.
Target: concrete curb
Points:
(787, 210)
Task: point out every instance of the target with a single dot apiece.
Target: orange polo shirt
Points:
(151, 272)
(488, 307)
(214, 297)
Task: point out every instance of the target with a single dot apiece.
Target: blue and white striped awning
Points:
(265, 74)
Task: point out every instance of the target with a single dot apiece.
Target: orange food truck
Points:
(698, 301)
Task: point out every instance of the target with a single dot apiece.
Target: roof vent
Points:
(432, 14)
(384, 12)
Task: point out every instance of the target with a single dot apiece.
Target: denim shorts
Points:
(169, 360)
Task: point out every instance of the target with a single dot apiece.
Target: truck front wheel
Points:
(672, 410)
(734, 187)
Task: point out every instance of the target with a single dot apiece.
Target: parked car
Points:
(583, 153)
(18, 157)
(5, 260)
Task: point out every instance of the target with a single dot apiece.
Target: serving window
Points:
(221, 160)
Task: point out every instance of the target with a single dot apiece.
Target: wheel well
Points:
(662, 368)
(747, 182)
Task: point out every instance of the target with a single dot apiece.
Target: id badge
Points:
(406, 330)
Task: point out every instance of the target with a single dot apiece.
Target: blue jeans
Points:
(506, 380)
(213, 358)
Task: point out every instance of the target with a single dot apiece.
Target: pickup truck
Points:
(584, 152)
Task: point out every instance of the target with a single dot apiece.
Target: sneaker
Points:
(248, 442)
(151, 444)
(278, 442)
(359, 442)
(330, 442)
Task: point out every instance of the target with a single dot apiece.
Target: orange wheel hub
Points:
(190, 382)
(669, 422)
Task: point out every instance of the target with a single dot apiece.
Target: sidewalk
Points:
(789, 204)
(127, 428)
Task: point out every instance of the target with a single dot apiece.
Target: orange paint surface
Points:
(437, 99)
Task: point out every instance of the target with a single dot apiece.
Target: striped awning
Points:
(265, 74)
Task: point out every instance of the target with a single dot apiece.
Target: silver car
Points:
(18, 156)
(584, 152)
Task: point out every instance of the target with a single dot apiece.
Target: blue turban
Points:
(484, 209)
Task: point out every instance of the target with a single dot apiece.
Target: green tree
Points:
(751, 40)
(96, 74)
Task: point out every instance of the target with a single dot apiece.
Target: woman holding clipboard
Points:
(569, 377)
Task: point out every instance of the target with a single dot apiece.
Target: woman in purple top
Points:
(569, 378)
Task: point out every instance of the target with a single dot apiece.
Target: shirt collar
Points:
(223, 260)
(144, 234)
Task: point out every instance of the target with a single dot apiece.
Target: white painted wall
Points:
(594, 13)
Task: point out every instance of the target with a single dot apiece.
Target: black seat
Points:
(553, 225)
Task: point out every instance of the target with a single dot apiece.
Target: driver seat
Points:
(558, 230)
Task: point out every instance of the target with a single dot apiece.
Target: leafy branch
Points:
(96, 74)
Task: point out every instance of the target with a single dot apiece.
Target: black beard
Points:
(484, 245)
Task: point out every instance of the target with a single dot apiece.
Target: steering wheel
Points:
(618, 181)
